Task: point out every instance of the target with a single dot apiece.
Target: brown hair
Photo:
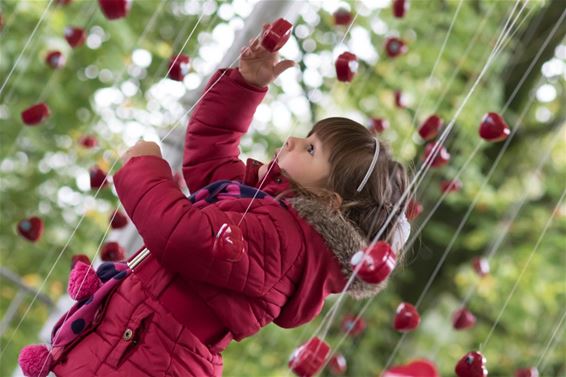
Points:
(351, 148)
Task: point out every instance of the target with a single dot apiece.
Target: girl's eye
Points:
(310, 149)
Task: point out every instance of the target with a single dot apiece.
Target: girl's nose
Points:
(290, 143)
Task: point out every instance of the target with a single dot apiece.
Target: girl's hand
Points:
(142, 148)
(258, 66)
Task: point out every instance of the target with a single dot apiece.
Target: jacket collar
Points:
(341, 236)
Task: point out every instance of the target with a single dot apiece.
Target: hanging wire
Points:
(142, 36)
(25, 46)
(510, 295)
(541, 362)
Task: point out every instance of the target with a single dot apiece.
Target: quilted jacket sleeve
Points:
(181, 236)
(219, 120)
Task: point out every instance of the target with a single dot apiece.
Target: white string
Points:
(425, 165)
(26, 45)
(510, 295)
(82, 217)
(556, 331)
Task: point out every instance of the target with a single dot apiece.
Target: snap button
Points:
(127, 334)
(278, 180)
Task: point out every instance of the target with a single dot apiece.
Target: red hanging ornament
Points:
(1, 21)
(309, 358)
(353, 325)
(526, 372)
(343, 17)
(493, 128)
(376, 262)
(417, 368)
(35, 114)
(118, 220)
(229, 243)
(31, 228)
(453, 185)
(471, 365)
(79, 258)
(346, 66)
(400, 100)
(481, 266)
(75, 36)
(112, 252)
(379, 125)
(463, 319)
(115, 9)
(400, 7)
(440, 157)
(395, 47)
(179, 67)
(276, 35)
(88, 141)
(337, 364)
(55, 59)
(98, 178)
(406, 318)
(414, 209)
(63, 2)
(430, 127)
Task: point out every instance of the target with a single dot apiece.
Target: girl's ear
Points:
(336, 201)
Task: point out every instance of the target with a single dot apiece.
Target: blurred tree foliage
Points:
(43, 169)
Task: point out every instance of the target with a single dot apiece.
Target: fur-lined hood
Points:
(341, 236)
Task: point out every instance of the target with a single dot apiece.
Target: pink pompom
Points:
(82, 274)
(35, 360)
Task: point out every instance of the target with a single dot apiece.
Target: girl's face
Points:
(304, 160)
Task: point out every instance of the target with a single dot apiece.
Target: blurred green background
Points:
(113, 87)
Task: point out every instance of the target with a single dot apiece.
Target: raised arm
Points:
(224, 114)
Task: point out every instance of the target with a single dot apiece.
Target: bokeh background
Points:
(510, 208)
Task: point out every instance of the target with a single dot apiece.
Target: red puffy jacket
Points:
(182, 305)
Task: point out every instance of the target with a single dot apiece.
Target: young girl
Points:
(196, 285)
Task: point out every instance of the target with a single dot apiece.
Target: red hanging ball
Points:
(353, 325)
(471, 365)
(98, 178)
(118, 220)
(31, 228)
(379, 125)
(417, 368)
(342, 17)
(493, 128)
(1, 21)
(112, 252)
(88, 141)
(453, 185)
(276, 35)
(400, 100)
(414, 209)
(79, 258)
(430, 127)
(55, 59)
(463, 319)
(115, 9)
(481, 266)
(229, 243)
(406, 318)
(179, 67)
(400, 7)
(527, 372)
(337, 364)
(75, 36)
(395, 47)
(440, 157)
(376, 261)
(35, 114)
(309, 358)
(346, 66)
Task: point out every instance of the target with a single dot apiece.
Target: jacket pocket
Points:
(132, 336)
